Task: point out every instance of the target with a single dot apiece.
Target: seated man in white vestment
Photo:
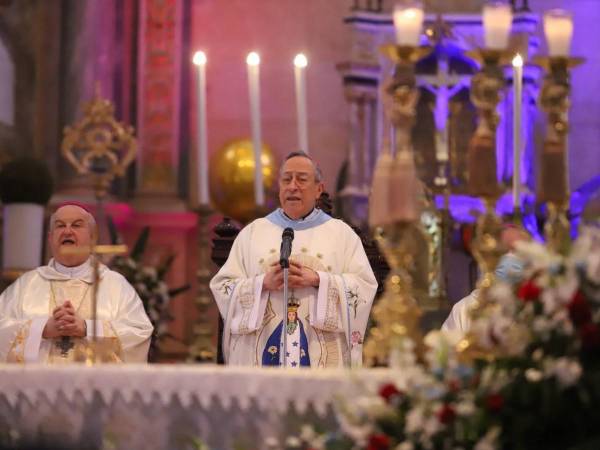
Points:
(330, 287)
(509, 270)
(46, 314)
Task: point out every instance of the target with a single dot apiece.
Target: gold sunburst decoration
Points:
(98, 144)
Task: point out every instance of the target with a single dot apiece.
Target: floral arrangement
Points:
(542, 390)
(149, 284)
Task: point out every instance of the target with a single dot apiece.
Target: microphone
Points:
(286, 248)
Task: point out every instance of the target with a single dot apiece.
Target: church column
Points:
(158, 104)
(354, 194)
(88, 49)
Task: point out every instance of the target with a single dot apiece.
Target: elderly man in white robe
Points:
(46, 314)
(331, 284)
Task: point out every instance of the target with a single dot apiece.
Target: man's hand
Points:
(273, 280)
(68, 322)
(51, 330)
(301, 276)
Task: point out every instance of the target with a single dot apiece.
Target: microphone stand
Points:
(285, 264)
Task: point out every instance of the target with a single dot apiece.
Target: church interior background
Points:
(58, 55)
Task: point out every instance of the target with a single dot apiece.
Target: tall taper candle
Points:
(200, 62)
(300, 63)
(253, 62)
(517, 63)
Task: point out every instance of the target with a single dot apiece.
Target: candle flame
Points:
(253, 59)
(517, 61)
(199, 58)
(300, 60)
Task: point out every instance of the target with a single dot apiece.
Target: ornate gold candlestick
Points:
(202, 348)
(100, 146)
(395, 216)
(554, 186)
(487, 247)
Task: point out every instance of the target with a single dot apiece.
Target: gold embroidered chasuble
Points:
(27, 304)
(334, 316)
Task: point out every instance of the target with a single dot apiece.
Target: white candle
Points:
(497, 20)
(408, 20)
(253, 62)
(517, 63)
(300, 63)
(200, 62)
(558, 28)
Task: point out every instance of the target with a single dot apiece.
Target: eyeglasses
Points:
(302, 179)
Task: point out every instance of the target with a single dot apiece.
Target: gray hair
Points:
(300, 153)
(91, 221)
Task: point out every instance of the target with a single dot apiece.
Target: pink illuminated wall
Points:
(277, 29)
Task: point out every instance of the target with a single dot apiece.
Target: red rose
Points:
(494, 402)
(446, 414)
(590, 336)
(529, 291)
(378, 442)
(389, 392)
(579, 309)
(453, 385)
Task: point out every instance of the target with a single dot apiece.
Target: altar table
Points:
(169, 406)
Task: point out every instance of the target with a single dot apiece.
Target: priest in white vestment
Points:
(331, 284)
(46, 314)
(509, 270)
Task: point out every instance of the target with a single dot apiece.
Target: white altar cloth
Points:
(169, 406)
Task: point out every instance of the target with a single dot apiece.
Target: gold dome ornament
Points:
(232, 180)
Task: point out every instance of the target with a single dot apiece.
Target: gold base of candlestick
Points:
(396, 313)
(487, 249)
(202, 349)
(98, 351)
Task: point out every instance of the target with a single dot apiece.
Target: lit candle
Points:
(558, 28)
(300, 63)
(497, 20)
(408, 20)
(200, 62)
(253, 62)
(517, 63)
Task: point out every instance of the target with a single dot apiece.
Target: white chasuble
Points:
(330, 321)
(26, 305)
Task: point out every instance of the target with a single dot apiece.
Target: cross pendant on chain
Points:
(65, 344)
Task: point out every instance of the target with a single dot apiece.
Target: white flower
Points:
(149, 272)
(442, 347)
(293, 441)
(432, 426)
(405, 446)
(489, 441)
(566, 371)
(415, 420)
(465, 408)
(533, 375)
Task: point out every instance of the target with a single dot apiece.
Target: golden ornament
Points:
(232, 180)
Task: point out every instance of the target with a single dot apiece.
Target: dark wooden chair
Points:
(226, 232)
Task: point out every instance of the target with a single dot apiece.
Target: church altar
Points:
(170, 406)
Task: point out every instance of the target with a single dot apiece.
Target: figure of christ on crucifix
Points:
(47, 314)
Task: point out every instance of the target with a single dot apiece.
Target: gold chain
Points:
(55, 304)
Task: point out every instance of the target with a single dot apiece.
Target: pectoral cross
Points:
(65, 344)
